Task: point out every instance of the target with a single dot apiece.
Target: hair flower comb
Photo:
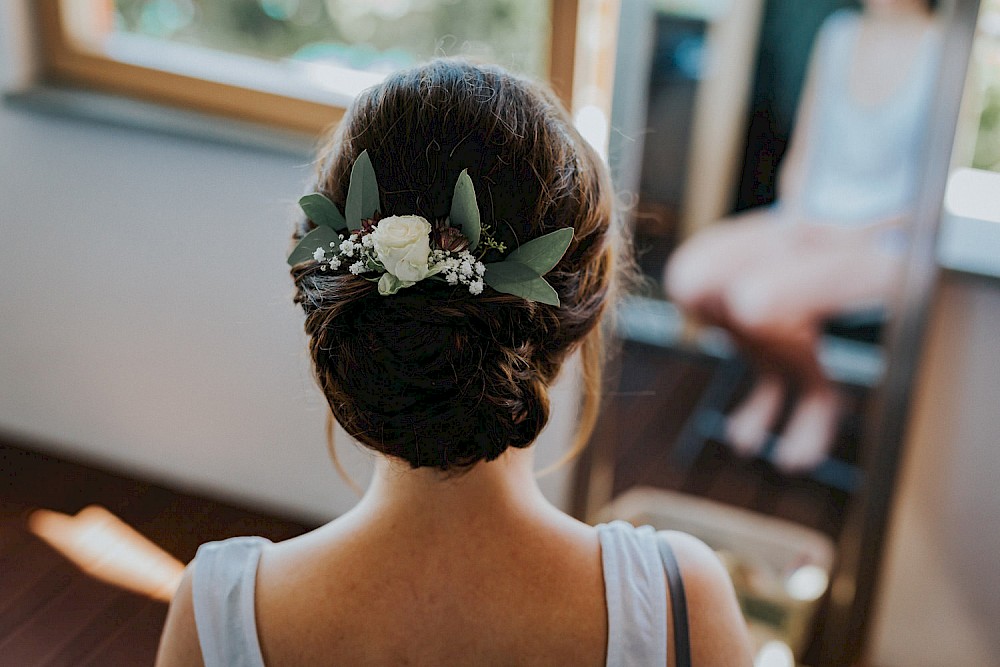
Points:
(401, 250)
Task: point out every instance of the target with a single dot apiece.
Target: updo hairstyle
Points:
(433, 375)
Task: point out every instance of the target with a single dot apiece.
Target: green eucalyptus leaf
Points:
(543, 253)
(520, 280)
(362, 193)
(509, 271)
(322, 211)
(319, 237)
(465, 210)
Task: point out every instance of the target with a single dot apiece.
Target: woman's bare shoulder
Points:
(718, 632)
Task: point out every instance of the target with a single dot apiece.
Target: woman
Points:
(835, 240)
(441, 362)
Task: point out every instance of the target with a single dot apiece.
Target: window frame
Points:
(62, 63)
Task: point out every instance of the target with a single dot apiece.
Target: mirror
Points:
(787, 162)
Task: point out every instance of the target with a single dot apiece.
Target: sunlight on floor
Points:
(108, 549)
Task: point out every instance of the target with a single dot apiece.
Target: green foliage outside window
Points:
(372, 35)
(987, 62)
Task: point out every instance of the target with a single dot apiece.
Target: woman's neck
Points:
(489, 491)
(895, 11)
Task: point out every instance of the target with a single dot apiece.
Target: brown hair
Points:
(433, 375)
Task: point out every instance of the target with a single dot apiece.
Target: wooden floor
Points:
(51, 613)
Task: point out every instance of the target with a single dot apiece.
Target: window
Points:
(291, 63)
(986, 70)
(970, 230)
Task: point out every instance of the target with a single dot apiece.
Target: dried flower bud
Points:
(368, 226)
(451, 239)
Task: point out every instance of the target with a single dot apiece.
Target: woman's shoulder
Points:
(232, 549)
(218, 590)
(838, 28)
(717, 629)
(841, 19)
(226, 565)
(697, 561)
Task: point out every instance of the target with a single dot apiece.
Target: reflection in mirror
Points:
(828, 242)
(775, 149)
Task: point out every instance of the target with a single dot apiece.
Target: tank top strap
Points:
(223, 588)
(635, 593)
(836, 44)
(678, 603)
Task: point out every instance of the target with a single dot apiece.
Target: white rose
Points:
(402, 245)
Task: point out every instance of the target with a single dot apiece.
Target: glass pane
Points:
(986, 64)
(374, 36)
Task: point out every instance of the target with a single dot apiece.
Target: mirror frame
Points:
(862, 542)
(849, 604)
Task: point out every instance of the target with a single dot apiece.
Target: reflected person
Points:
(835, 239)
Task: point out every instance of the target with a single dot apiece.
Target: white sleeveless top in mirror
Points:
(864, 162)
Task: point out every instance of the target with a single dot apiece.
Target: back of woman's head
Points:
(435, 375)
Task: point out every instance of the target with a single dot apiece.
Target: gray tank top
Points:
(634, 585)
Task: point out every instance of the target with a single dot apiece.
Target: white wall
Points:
(940, 599)
(145, 311)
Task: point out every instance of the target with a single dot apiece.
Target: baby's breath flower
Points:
(357, 268)
(319, 254)
(458, 267)
(335, 263)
